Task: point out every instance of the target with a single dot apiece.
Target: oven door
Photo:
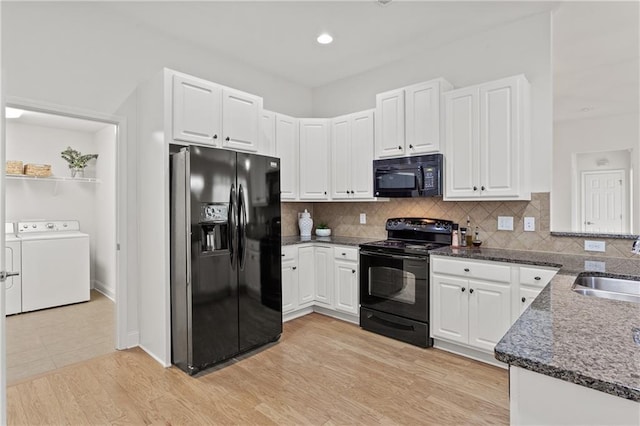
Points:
(395, 283)
(400, 180)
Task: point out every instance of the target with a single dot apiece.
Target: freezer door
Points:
(259, 246)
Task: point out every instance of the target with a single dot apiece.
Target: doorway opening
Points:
(49, 324)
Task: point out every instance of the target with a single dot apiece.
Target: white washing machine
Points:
(13, 300)
(55, 264)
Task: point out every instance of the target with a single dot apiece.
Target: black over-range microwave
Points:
(419, 176)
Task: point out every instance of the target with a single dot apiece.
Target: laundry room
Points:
(61, 235)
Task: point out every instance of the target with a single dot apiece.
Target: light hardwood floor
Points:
(322, 371)
(45, 340)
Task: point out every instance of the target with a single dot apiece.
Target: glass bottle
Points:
(463, 237)
(469, 236)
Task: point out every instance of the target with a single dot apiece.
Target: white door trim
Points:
(121, 199)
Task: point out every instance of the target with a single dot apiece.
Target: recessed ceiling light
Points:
(324, 38)
(13, 112)
(587, 109)
(383, 2)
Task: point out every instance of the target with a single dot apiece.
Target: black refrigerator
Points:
(226, 279)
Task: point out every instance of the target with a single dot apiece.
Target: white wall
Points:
(613, 133)
(46, 200)
(83, 55)
(105, 211)
(521, 47)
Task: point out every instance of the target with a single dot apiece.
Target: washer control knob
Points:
(34, 225)
(49, 225)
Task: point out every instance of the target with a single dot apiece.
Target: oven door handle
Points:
(393, 256)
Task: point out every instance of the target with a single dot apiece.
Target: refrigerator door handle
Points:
(232, 228)
(242, 231)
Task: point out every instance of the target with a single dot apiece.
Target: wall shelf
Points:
(52, 178)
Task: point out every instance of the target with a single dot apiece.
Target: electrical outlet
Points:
(529, 224)
(594, 245)
(592, 265)
(505, 223)
(363, 218)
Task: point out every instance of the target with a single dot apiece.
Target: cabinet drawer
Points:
(289, 252)
(472, 269)
(536, 276)
(346, 253)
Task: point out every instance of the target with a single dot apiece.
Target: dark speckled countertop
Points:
(343, 241)
(586, 340)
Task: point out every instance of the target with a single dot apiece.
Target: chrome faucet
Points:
(636, 246)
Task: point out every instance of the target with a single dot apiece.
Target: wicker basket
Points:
(38, 170)
(14, 167)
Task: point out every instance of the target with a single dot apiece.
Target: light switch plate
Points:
(363, 218)
(529, 224)
(594, 245)
(505, 223)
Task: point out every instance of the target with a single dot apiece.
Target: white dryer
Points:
(13, 299)
(55, 264)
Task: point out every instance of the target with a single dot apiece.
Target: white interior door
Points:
(603, 201)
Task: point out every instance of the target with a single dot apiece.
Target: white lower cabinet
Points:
(322, 276)
(306, 274)
(473, 302)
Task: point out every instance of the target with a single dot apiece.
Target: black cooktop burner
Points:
(402, 246)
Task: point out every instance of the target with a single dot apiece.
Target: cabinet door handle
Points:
(325, 192)
(482, 188)
(294, 268)
(282, 255)
(466, 269)
(537, 278)
(215, 136)
(463, 289)
(410, 146)
(227, 139)
(524, 299)
(353, 271)
(399, 147)
(470, 290)
(475, 188)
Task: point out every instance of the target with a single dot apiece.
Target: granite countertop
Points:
(586, 340)
(343, 241)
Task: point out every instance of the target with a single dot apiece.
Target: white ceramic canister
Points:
(305, 223)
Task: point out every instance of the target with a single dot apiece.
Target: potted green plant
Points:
(77, 161)
(322, 230)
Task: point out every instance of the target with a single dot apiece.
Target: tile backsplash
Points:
(344, 220)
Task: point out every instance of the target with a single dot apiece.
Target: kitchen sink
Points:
(608, 288)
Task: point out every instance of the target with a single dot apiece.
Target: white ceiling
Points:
(280, 37)
(36, 118)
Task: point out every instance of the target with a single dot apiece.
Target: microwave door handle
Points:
(420, 180)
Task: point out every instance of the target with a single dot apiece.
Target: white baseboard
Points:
(152, 355)
(297, 314)
(104, 289)
(133, 339)
(354, 319)
(465, 351)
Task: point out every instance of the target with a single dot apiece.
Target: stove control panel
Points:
(419, 224)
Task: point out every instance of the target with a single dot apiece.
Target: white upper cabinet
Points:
(197, 110)
(240, 120)
(390, 124)
(287, 149)
(314, 159)
(487, 141)
(352, 156)
(267, 137)
(408, 120)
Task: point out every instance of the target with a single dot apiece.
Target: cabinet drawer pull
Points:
(227, 139)
(475, 188)
(524, 299)
(344, 254)
(294, 268)
(482, 188)
(470, 290)
(399, 147)
(537, 278)
(215, 136)
(410, 146)
(353, 271)
(282, 255)
(466, 269)
(463, 289)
